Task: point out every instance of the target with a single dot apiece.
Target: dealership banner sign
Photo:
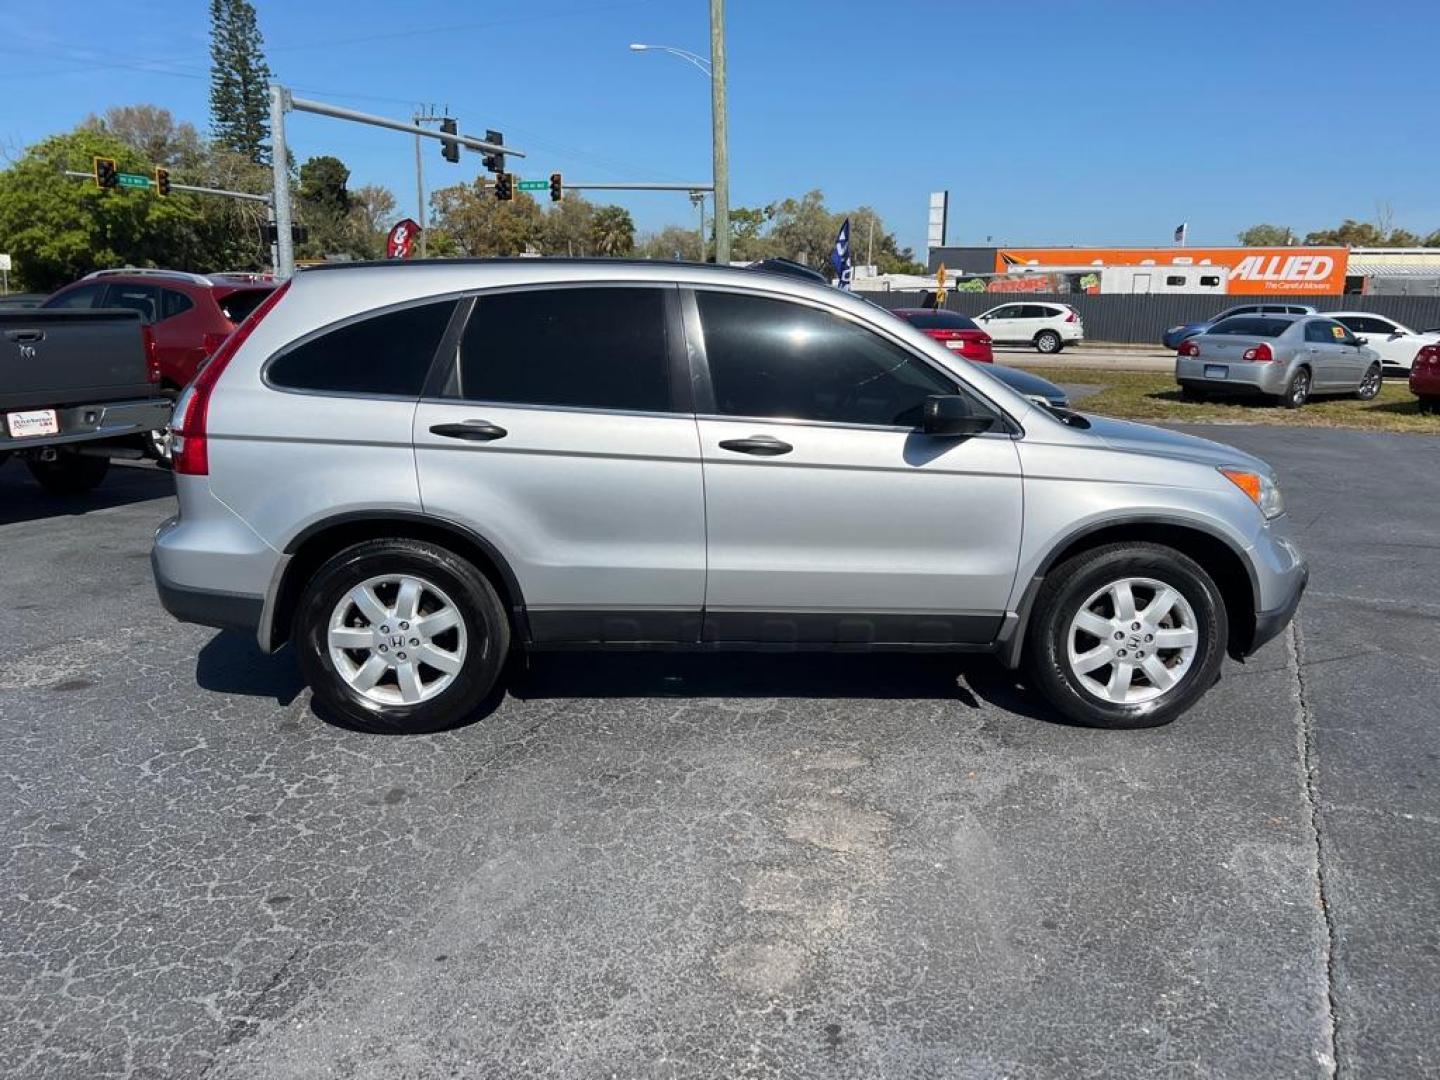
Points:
(1250, 271)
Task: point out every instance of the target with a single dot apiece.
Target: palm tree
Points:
(612, 232)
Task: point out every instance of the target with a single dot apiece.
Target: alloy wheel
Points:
(1132, 641)
(397, 639)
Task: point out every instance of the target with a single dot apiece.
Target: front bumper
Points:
(1268, 624)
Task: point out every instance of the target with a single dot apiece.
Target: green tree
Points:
(1402, 238)
(1263, 235)
(481, 225)
(747, 224)
(871, 243)
(60, 228)
(567, 226)
(1350, 233)
(673, 242)
(325, 207)
(612, 232)
(239, 81)
(372, 212)
(802, 229)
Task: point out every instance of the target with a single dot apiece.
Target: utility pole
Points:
(280, 179)
(426, 117)
(698, 198)
(719, 130)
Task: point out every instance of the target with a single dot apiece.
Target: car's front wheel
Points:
(401, 636)
(1126, 636)
(1048, 341)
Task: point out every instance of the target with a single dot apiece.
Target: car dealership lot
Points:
(723, 865)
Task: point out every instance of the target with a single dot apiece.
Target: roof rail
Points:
(181, 275)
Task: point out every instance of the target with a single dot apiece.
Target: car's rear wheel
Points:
(1297, 390)
(1048, 341)
(69, 473)
(1126, 636)
(1370, 384)
(401, 636)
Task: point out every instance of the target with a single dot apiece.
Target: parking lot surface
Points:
(760, 866)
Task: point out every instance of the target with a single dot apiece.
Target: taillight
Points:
(1189, 347)
(1427, 356)
(1260, 354)
(152, 354)
(1071, 317)
(190, 447)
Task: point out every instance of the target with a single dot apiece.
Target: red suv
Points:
(958, 333)
(189, 314)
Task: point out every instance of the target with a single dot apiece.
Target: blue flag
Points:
(840, 257)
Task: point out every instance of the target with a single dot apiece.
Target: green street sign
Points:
(130, 179)
(533, 185)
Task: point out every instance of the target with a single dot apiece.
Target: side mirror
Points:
(1361, 341)
(951, 415)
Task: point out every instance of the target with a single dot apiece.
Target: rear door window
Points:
(1037, 311)
(142, 298)
(385, 355)
(578, 347)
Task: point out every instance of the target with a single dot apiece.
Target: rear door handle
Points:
(759, 445)
(26, 335)
(472, 430)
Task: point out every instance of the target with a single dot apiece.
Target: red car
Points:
(956, 332)
(1425, 378)
(188, 314)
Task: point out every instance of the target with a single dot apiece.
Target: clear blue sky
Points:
(1105, 121)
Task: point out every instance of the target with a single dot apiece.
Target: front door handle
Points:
(759, 445)
(25, 336)
(473, 430)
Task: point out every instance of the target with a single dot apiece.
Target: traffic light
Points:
(107, 175)
(300, 234)
(162, 183)
(494, 162)
(450, 149)
(557, 187)
(505, 187)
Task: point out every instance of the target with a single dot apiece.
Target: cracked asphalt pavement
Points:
(723, 866)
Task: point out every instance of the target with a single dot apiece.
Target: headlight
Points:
(1263, 491)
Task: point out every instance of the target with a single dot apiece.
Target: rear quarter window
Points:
(237, 305)
(1252, 326)
(941, 320)
(384, 355)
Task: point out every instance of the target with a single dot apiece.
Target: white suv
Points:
(1049, 327)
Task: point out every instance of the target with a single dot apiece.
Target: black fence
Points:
(1142, 319)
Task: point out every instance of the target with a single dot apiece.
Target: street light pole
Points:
(719, 127)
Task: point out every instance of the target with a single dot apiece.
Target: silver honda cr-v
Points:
(406, 470)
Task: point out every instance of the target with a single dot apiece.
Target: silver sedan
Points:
(1289, 357)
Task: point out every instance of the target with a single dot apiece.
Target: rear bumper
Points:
(1241, 377)
(207, 607)
(1426, 385)
(105, 420)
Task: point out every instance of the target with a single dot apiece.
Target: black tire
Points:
(1069, 585)
(69, 473)
(1371, 383)
(1048, 341)
(1297, 390)
(485, 624)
